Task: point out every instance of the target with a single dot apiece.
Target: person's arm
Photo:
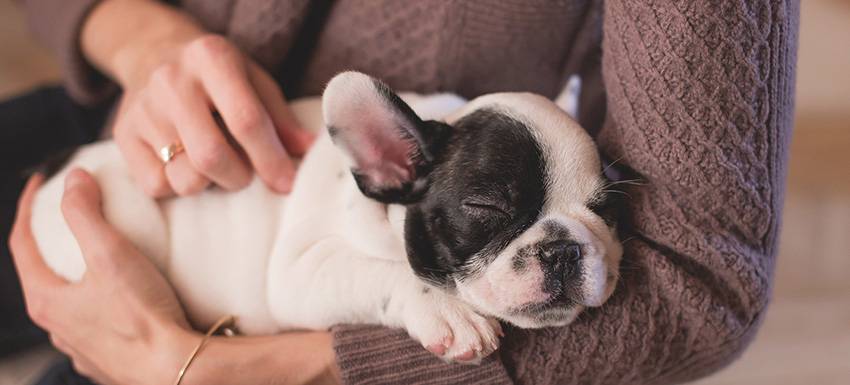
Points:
(122, 324)
(283, 359)
(700, 100)
(128, 39)
(58, 26)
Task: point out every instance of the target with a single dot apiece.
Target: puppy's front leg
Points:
(331, 284)
(444, 325)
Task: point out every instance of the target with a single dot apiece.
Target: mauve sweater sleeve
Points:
(700, 101)
(58, 25)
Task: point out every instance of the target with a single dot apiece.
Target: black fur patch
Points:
(520, 261)
(487, 186)
(609, 206)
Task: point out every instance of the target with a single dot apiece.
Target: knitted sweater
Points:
(694, 100)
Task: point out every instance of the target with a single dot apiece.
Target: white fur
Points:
(325, 254)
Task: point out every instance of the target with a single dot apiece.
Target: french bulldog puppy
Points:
(427, 213)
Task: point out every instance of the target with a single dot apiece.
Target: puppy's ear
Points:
(390, 148)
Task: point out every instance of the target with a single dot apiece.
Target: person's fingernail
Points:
(284, 184)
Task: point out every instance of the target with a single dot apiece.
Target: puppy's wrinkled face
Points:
(505, 201)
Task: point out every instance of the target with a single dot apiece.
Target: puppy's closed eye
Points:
(484, 207)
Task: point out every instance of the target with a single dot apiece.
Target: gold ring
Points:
(167, 153)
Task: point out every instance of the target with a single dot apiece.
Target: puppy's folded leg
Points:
(331, 284)
(447, 326)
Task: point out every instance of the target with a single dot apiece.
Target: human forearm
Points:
(290, 358)
(127, 39)
(699, 107)
(703, 120)
(57, 26)
(374, 354)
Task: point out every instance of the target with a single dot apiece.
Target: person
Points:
(694, 100)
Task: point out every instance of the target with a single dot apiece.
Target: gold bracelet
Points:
(222, 322)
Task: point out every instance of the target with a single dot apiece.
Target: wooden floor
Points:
(806, 335)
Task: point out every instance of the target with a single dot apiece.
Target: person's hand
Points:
(175, 77)
(173, 103)
(117, 323)
(122, 324)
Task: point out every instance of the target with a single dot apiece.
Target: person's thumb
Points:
(81, 206)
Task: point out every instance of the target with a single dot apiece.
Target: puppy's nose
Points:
(562, 258)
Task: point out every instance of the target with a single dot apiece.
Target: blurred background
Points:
(806, 335)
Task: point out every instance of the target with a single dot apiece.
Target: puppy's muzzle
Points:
(562, 259)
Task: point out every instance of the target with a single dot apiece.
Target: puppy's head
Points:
(505, 200)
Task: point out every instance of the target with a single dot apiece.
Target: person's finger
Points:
(100, 243)
(226, 82)
(84, 367)
(294, 137)
(183, 177)
(159, 132)
(61, 345)
(145, 167)
(32, 270)
(41, 286)
(206, 146)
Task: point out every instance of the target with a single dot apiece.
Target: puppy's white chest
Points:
(220, 243)
(326, 202)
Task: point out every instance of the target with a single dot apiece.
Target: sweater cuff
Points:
(377, 355)
(59, 25)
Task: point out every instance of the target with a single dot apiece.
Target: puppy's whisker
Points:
(632, 182)
(612, 164)
(631, 238)
(618, 192)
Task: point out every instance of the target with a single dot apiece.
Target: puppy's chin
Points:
(534, 316)
(553, 317)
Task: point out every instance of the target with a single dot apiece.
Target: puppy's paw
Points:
(451, 329)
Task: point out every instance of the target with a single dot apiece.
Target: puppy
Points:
(424, 212)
